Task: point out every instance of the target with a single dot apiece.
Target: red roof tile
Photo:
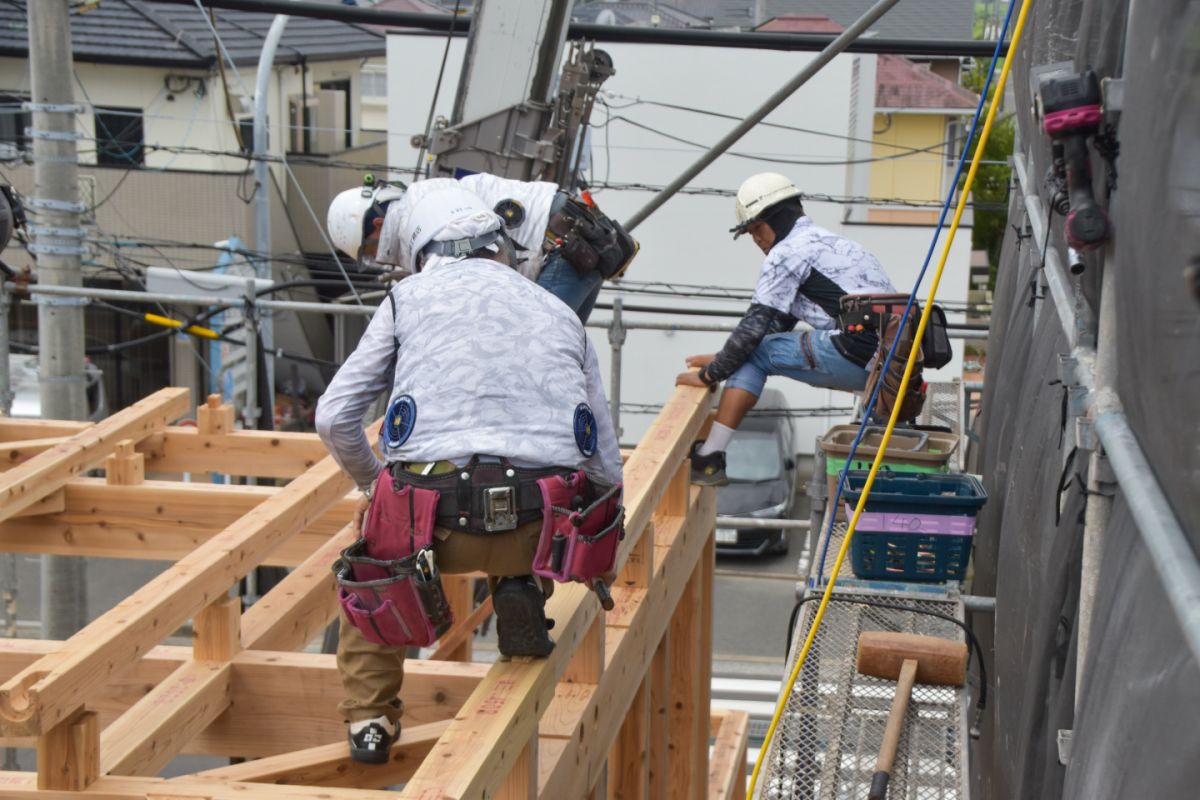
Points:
(800, 23)
(900, 83)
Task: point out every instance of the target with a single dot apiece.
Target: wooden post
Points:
(460, 592)
(703, 580)
(656, 750)
(683, 773)
(214, 418)
(68, 755)
(521, 783)
(628, 765)
(587, 665)
(125, 467)
(216, 630)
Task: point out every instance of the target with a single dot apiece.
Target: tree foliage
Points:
(992, 180)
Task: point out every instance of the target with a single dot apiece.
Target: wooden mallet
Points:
(906, 658)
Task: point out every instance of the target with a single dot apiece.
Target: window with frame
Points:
(13, 122)
(120, 140)
(374, 83)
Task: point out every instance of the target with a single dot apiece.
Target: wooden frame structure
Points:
(620, 709)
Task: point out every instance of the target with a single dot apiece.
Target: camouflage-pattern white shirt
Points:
(477, 360)
(810, 263)
(535, 198)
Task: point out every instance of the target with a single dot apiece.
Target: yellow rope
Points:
(908, 370)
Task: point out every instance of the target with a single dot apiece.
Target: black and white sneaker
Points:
(521, 625)
(371, 740)
(708, 470)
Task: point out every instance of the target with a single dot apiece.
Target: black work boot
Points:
(521, 623)
(708, 470)
(371, 740)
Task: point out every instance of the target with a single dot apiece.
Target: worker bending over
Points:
(564, 244)
(806, 272)
(476, 418)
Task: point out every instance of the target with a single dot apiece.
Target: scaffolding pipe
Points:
(262, 170)
(616, 338)
(764, 522)
(838, 45)
(6, 393)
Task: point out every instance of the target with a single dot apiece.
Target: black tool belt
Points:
(483, 496)
(587, 238)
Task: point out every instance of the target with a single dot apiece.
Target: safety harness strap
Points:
(462, 247)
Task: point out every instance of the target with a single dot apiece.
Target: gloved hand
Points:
(360, 513)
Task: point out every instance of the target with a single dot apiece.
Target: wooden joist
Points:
(50, 470)
(280, 702)
(156, 520)
(727, 769)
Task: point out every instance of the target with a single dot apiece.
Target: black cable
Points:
(975, 646)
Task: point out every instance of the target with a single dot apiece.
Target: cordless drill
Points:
(1071, 112)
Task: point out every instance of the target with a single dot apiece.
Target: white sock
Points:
(388, 725)
(718, 439)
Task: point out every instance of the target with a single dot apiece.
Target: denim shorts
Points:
(578, 291)
(808, 356)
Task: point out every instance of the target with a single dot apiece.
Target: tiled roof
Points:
(910, 19)
(900, 83)
(639, 14)
(139, 32)
(801, 23)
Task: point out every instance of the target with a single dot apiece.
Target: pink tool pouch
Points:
(581, 529)
(388, 581)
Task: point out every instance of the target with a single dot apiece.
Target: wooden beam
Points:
(46, 692)
(49, 471)
(460, 594)
(297, 608)
(264, 454)
(631, 642)
(476, 753)
(628, 773)
(264, 718)
(656, 750)
(158, 520)
(521, 782)
(23, 786)
(727, 770)
(50, 504)
(330, 765)
(68, 755)
(463, 629)
(159, 726)
(15, 429)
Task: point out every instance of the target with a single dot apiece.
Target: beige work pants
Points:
(372, 673)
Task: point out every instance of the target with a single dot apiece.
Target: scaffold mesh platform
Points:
(829, 735)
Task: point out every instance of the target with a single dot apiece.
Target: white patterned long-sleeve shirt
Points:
(477, 360)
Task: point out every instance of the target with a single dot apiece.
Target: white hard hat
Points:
(440, 209)
(758, 193)
(347, 217)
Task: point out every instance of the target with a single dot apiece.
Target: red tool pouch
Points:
(578, 542)
(388, 581)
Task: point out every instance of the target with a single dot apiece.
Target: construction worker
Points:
(566, 246)
(806, 272)
(464, 390)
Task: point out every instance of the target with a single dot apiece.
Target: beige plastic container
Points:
(908, 451)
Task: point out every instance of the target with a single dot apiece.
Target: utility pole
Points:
(58, 247)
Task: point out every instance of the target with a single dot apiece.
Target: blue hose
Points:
(870, 407)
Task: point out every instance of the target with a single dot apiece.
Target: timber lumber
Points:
(156, 520)
(179, 449)
(42, 695)
(297, 608)
(482, 746)
(265, 717)
(23, 786)
(637, 623)
(330, 765)
(50, 470)
(727, 770)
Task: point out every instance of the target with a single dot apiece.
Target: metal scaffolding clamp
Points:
(58, 300)
(53, 231)
(54, 136)
(54, 108)
(57, 249)
(72, 206)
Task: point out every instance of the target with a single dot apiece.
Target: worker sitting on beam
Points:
(563, 243)
(480, 422)
(806, 272)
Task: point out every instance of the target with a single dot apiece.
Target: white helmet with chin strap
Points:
(353, 210)
(757, 194)
(439, 211)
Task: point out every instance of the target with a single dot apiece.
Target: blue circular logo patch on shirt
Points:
(400, 420)
(585, 430)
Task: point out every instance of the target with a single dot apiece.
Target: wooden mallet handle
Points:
(891, 734)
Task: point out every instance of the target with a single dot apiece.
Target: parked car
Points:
(762, 482)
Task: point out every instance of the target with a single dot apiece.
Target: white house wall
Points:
(687, 240)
